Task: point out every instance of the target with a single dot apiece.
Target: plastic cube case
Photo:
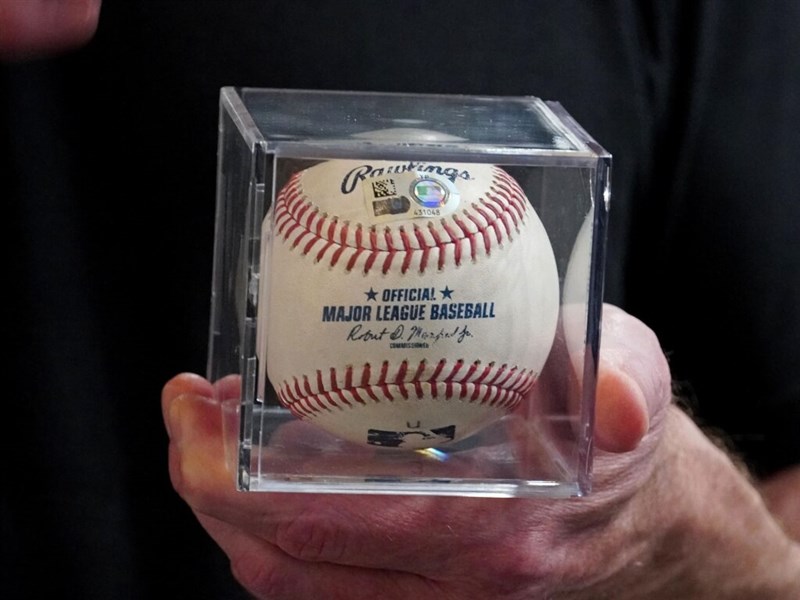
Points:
(407, 293)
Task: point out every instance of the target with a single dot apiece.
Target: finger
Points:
(184, 383)
(228, 388)
(267, 572)
(634, 384)
(196, 454)
(197, 465)
(30, 28)
(415, 534)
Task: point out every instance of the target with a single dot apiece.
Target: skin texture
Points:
(783, 500)
(671, 515)
(40, 28)
(666, 500)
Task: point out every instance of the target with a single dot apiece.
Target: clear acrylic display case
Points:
(407, 293)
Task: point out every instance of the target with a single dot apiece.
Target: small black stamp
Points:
(396, 205)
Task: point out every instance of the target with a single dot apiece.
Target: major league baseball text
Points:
(406, 304)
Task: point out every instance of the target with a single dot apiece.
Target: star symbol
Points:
(447, 292)
(371, 294)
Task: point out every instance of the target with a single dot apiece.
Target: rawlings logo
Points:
(363, 172)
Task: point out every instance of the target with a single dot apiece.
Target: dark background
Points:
(107, 177)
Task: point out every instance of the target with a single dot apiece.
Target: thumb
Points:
(633, 385)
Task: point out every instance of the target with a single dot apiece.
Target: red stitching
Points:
(401, 372)
(409, 250)
(305, 208)
(468, 235)
(439, 366)
(327, 396)
(331, 233)
(483, 231)
(454, 372)
(320, 222)
(387, 262)
(348, 377)
(343, 398)
(423, 261)
(501, 210)
(373, 238)
(322, 251)
(369, 262)
(310, 245)
(337, 255)
(353, 260)
(506, 386)
(320, 383)
(300, 238)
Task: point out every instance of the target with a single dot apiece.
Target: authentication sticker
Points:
(410, 195)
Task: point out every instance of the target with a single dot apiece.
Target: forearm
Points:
(717, 539)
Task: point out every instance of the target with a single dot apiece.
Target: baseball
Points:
(404, 304)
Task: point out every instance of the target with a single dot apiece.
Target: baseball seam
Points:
(488, 221)
(496, 386)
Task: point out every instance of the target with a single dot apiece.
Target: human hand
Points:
(663, 503)
(35, 28)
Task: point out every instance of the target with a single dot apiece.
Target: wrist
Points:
(713, 536)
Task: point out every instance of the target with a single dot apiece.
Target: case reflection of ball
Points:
(404, 304)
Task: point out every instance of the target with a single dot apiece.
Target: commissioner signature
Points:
(414, 333)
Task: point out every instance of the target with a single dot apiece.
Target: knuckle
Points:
(311, 538)
(262, 579)
(514, 569)
(538, 559)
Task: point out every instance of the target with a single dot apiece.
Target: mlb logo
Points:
(412, 438)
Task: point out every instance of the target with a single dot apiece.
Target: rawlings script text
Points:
(360, 173)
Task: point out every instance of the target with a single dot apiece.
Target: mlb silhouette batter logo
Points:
(414, 438)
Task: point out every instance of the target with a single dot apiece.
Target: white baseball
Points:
(405, 304)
